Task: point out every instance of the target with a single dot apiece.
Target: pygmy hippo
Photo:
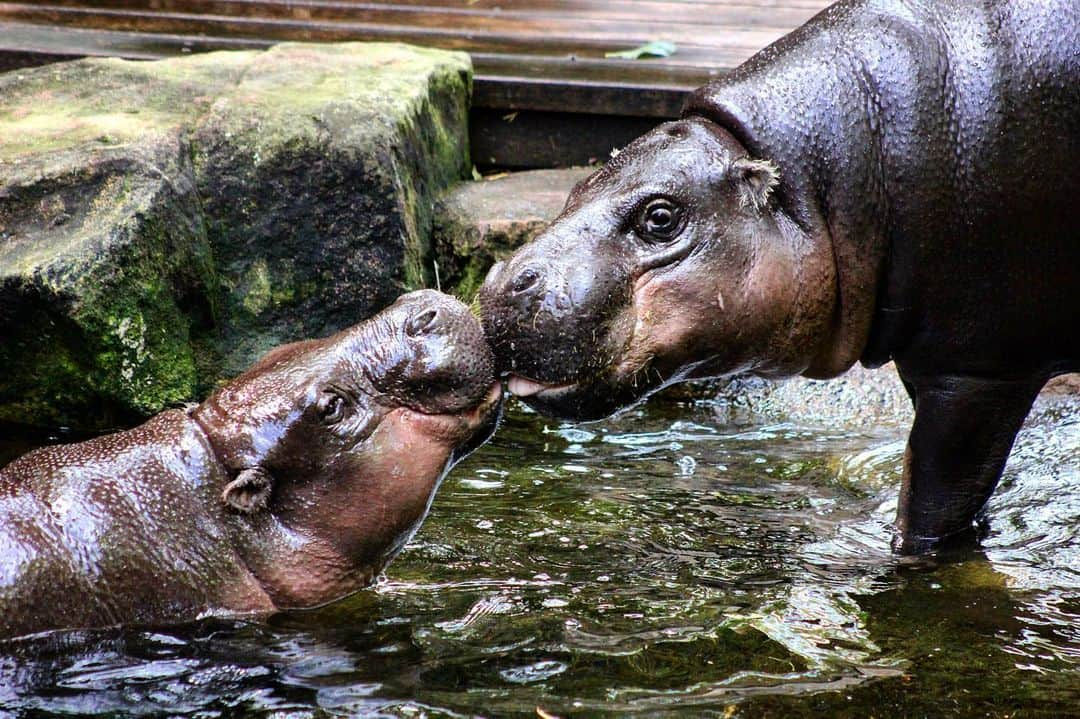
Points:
(897, 179)
(291, 486)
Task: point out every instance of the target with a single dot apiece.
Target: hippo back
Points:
(112, 528)
(937, 144)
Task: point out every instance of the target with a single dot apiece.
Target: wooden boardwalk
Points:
(534, 56)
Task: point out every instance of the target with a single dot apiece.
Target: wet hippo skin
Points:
(894, 180)
(290, 486)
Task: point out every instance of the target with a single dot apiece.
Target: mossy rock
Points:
(105, 273)
(164, 223)
(347, 149)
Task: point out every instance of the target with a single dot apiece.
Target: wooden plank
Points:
(565, 37)
(544, 84)
(777, 15)
(513, 94)
(548, 139)
(268, 32)
(74, 42)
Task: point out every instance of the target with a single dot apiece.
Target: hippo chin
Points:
(291, 486)
(894, 180)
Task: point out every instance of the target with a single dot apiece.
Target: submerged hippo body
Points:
(291, 486)
(894, 180)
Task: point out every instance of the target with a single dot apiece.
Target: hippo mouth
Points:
(613, 371)
(485, 422)
(588, 399)
(523, 387)
(558, 400)
(467, 429)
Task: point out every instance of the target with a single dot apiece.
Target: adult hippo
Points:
(291, 486)
(893, 180)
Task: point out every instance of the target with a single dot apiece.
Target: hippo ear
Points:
(756, 180)
(249, 492)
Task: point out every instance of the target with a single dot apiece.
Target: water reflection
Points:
(665, 561)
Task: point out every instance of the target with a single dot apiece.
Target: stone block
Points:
(478, 223)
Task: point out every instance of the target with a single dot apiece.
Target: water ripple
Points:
(662, 562)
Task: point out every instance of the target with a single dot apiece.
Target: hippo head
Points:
(672, 262)
(333, 448)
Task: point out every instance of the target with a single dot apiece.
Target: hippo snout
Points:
(544, 293)
(514, 280)
(429, 313)
(518, 306)
(439, 362)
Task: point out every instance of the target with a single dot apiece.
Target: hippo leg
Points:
(964, 428)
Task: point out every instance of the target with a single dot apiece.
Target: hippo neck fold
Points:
(248, 538)
(799, 103)
(273, 553)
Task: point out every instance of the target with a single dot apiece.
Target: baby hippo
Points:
(291, 486)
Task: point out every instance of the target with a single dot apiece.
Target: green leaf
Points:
(656, 48)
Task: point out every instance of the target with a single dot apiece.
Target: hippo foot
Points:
(960, 543)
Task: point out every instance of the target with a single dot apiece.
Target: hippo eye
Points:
(332, 408)
(659, 220)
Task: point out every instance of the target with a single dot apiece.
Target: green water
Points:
(666, 562)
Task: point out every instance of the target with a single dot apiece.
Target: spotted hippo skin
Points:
(897, 179)
(290, 486)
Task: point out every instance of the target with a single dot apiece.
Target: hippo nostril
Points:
(525, 281)
(422, 322)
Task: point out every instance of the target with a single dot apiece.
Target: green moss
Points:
(46, 378)
(470, 279)
(107, 102)
(444, 160)
(262, 288)
(101, 335)
(118, 355)
(140, 339)
(256, 293)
